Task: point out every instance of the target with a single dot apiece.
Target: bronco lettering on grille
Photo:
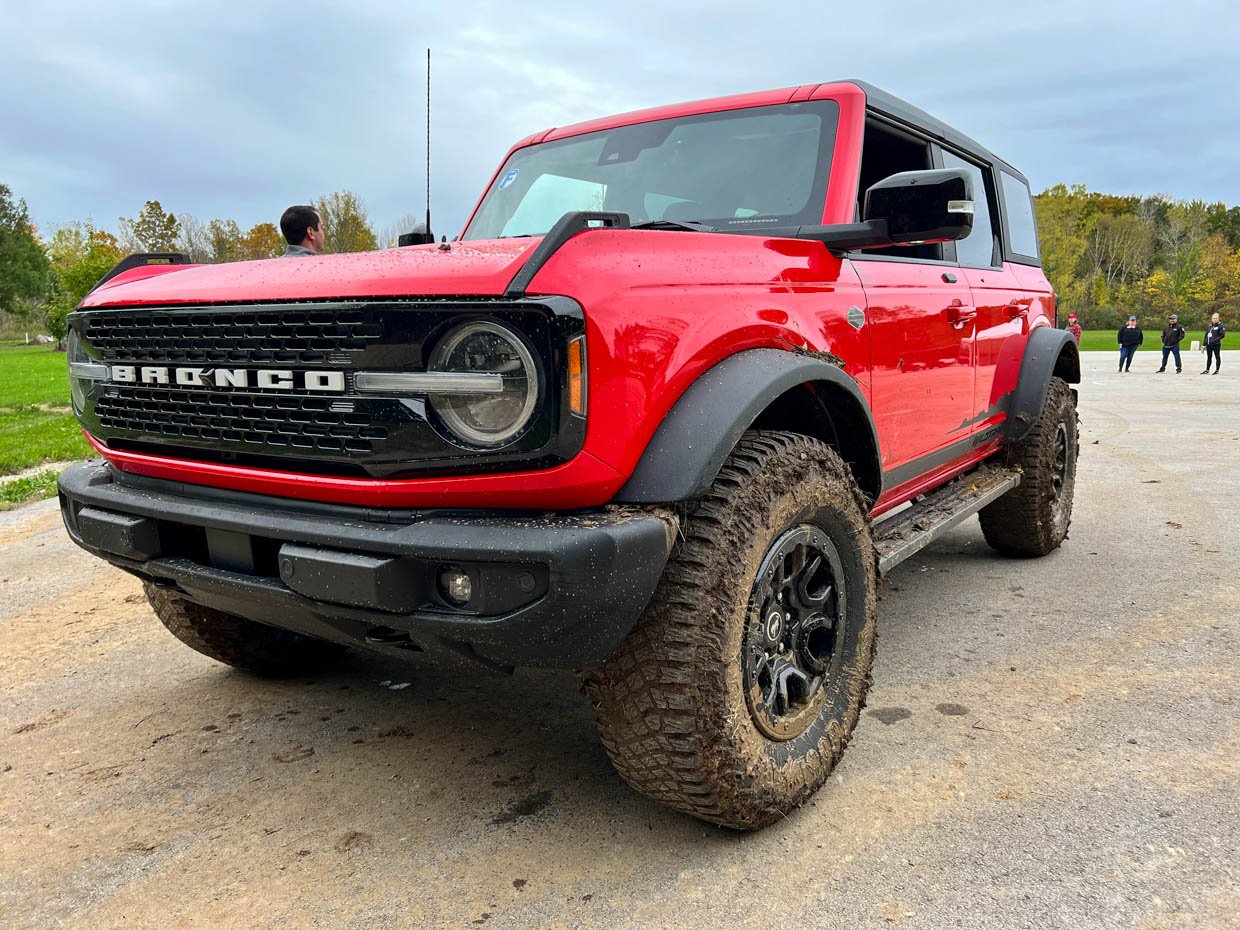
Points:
(275, 378)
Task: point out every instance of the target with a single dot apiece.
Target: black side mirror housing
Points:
(415, 238)
(909, 208)
(922, 206)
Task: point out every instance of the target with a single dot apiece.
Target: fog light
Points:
(455, 586)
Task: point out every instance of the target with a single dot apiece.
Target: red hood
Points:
(480, 269)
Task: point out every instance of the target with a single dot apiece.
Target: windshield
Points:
(763, 166)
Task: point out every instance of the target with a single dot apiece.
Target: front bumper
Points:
(549, 590)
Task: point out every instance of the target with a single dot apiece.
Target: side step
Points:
(912, 529)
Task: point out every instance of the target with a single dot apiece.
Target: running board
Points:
(912, 529)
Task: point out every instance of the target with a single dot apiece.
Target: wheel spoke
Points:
(791, 637)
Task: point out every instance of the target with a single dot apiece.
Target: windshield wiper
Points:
(689, 225)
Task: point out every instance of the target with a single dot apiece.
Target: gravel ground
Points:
(1048, 743)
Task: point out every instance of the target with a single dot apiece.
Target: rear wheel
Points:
(1033, 519)
(736, 693)
(244, 644)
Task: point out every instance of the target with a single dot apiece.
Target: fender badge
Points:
(856, 317)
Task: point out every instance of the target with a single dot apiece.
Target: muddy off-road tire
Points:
(1033, 519)
(244, 644)
(773, 580)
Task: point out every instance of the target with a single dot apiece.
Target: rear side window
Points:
(977, 249)
(1021, 230)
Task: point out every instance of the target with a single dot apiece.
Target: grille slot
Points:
(277, 422)
(284, 336)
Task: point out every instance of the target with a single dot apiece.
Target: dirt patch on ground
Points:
(1060, 749)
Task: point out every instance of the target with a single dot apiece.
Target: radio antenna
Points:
(430, 237)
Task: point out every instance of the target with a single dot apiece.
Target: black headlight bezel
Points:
(401, 334)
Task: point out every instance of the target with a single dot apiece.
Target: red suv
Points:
(653, 415)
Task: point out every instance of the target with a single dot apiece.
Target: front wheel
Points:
(245, 644)
(736, 693)
(1033, 519)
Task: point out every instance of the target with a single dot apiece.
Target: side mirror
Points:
(922, 206)
(415, 238)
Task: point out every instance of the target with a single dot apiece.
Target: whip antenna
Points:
(425, 237)
(430, 237)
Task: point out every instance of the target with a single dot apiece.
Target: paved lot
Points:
(1048, 743)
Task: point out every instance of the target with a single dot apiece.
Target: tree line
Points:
(1109, 256)
(42, 279)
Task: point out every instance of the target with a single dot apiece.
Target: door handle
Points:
(959, 316)
(1015, 310)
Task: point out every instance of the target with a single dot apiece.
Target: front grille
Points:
(289, 422)
(285, 336)
(345, 433)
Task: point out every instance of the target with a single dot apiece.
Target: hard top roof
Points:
(877, 99)
(904, 112)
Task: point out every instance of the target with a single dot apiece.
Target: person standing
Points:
(1172, 334)
(303, 231)
(1214, 343)
(1130, 338)
(1074, 328)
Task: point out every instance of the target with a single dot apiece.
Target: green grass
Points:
(1103, 340)
(32, 375)
(31, 488)
(31, 437)
(36, 425)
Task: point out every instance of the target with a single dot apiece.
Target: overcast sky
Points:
(239, 109)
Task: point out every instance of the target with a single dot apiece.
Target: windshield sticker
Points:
(509, 178)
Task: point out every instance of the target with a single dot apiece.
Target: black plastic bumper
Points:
(558, 590)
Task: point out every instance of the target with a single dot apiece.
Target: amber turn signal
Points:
(577, 376)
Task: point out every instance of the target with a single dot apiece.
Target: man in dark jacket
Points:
(1129, 338)
(1214, 343)
(1172, 335)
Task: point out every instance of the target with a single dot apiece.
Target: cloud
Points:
(236, 110)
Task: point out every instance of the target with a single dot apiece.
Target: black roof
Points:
(902, 111)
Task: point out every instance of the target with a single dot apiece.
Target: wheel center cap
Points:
(774, 626)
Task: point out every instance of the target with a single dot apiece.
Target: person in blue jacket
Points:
(1130, 338)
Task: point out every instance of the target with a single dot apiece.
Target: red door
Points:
(922, 378)
(1003, 309)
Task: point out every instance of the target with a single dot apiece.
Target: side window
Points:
(977, 249)
(886, 151)
(551, 196)
(1018, 205)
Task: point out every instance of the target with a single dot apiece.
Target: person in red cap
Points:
(1074, 328)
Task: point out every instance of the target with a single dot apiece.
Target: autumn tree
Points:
(152, 230)
(23, 263)
(346, 228)
(80, 255)
(224, 241)
(262, 241)
(193, 239)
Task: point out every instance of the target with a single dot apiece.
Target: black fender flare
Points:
(688, 449)
(1048, 353)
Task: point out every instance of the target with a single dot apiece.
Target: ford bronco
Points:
(687, 383)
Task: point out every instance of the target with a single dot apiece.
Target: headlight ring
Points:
(486, 420)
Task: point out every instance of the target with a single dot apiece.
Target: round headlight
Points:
(77, 386)
(490, 419)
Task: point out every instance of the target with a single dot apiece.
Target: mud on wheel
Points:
(244, 644)
(1033, 519)
(736, 693)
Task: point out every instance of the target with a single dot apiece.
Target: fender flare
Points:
(688, 449)
(1049, 352)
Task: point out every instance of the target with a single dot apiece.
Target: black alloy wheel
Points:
(797, 619)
